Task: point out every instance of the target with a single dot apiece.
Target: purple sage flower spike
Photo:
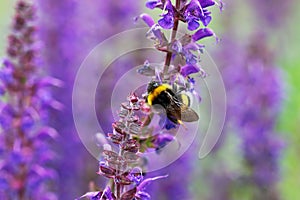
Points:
(25, 140)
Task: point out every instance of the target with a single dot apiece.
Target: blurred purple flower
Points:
(261, 145)
(63, 25)
(62, 58)
(26, 158)
(254, 82)
(272, 13)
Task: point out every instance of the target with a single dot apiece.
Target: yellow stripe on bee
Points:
(156, 92)
(185, 99)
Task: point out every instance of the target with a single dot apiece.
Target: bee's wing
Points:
(188, 114)
(173, 108)
(181, 111)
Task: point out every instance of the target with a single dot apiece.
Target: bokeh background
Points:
(257, 156)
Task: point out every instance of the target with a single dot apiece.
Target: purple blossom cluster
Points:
(62, 56)
(123, 166)
(191, 13)
(133, 134)
(184, 51)
(254, 86)
(183, 54)
(254, 89)
(261, 145)
(70, 29)
(25, 139)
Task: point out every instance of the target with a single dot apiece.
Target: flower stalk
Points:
(135, 132)
(173, 37)
(25, 150)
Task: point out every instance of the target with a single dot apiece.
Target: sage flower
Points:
(26, 153)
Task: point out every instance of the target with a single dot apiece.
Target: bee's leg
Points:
(181, 123)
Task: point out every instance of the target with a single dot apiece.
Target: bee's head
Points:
(152, 85)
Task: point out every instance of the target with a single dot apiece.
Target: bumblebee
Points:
(172, 103)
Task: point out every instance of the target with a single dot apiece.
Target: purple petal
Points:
(206, 3)
(43, 172)
(27, 123)
(50, 81)
(193, 9)
(156, 34)
(147, 19)
(91, 195)
(2, 89)
(3, 183)
(189, 57)
(169, 6)
(6, 117)
(221, 5)
(193, 24)
(166, 123)
(177, 46)
(202, 33)
(151, 4)
(198, 97)
(193, 47)
(191, 80)
(136, 175)
(109, 195)
(6, 73)
(143, 195)
(206, 20)
(47, 132)
(192, 14)
(162, 139)
(167, 21)
(189, 69)
(148, 181)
